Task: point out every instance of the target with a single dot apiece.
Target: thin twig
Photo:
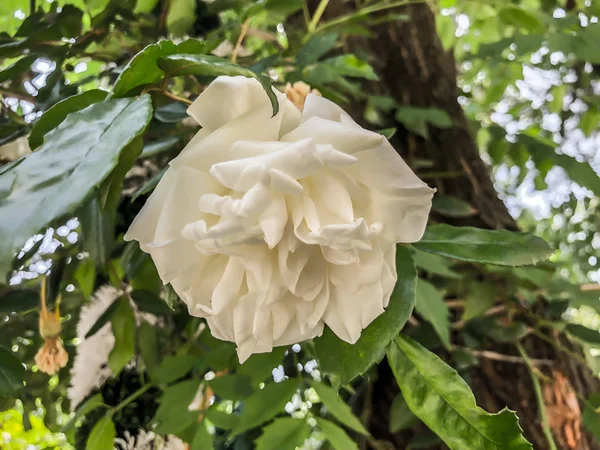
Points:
(487, 354)
(241, 37)
(539, 397)
(559, 347)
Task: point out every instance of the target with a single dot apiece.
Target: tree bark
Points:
(416, 71)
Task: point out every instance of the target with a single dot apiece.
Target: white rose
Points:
(272, 227)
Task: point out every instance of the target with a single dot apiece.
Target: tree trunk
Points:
(416, 71)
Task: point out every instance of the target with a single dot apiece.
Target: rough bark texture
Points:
(416, 71)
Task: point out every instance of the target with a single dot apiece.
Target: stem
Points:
(176, 98)
(558, 346)
(131, 398)
(501, 357)
(241, 37)
(31, 7)
(312, 26)
(540, 399)
(43, 295)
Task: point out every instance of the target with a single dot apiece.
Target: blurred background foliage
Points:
(527, 74)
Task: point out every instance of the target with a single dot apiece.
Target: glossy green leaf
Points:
(54, 116)
(103, 319)
(12, 372)
(501, 247)
(143, 69)
(480, 298)
(434, 264)
(430, 306)
(444, 402)
(123, 326)
(265, 404)
(451, 206)
(260, 365)
(231, 387)
(110, 192)
(149, 302)
(209, 65)
(337, 407)
(75, 158)
(285, 433)
(346, 361)
(586, 334)
(19, 300)
(335, 435)
(103, 435)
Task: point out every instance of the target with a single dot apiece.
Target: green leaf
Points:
(520, 18)
(584, 333)
(148, 345)
(123, 326)
(103, 435)
(172, 416)
(148, 302)
(203, 440)
(412, 117)
(388, 133)
(144, 6)
(444, 402)
(480, 298)
(19, 300)
(85, 275)
(158, 147)
(110, 192)
(260, 365)
(232, 387)
(265, 404)
(431, 306)
(349, 65)
(98, 231)
(93, 402)
(143, 69)
(316, 47)
(337, 436)
(174, 367)
(337, 407)
(17, 68)
(103, 319)
(76, 157)
(347, 361)
(500, 247)
(12, 372)
(221, 419)
(56, 115)
(401, 417)
(434, 264)
(590, 416)
(209, 65)
(285, 433)
(451, 206)
(181, 16)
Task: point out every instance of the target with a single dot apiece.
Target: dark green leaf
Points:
(232, 387)
(110, 193)
(434, 264)
(123, 326)
(172, 112)
(431, 306)
(103, 319)
(209, 65)
(520, 18)
(97, 229)
(14, 70)
(480, 298)
(203, 440)
(75, 158)
(12, 372)
(337, 436)
(54, 116)
(410, 116)
(584, 333)
(158, 147)
(285, 433)
(143, 69)
(442, 399)
(93, 402)
(221, 419)
(451, 206)
(265, 404)
(260, 365)
(347, 361)
(148, 345)
(501, 247)
(181, 16)
(103, 435)
(315, 48)
(174, 367)
(148, 302)
(337, 407)
(19, 300)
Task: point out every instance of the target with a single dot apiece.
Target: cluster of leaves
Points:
(99, 92)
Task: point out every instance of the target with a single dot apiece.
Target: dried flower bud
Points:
(297, 93)
(52, 356)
